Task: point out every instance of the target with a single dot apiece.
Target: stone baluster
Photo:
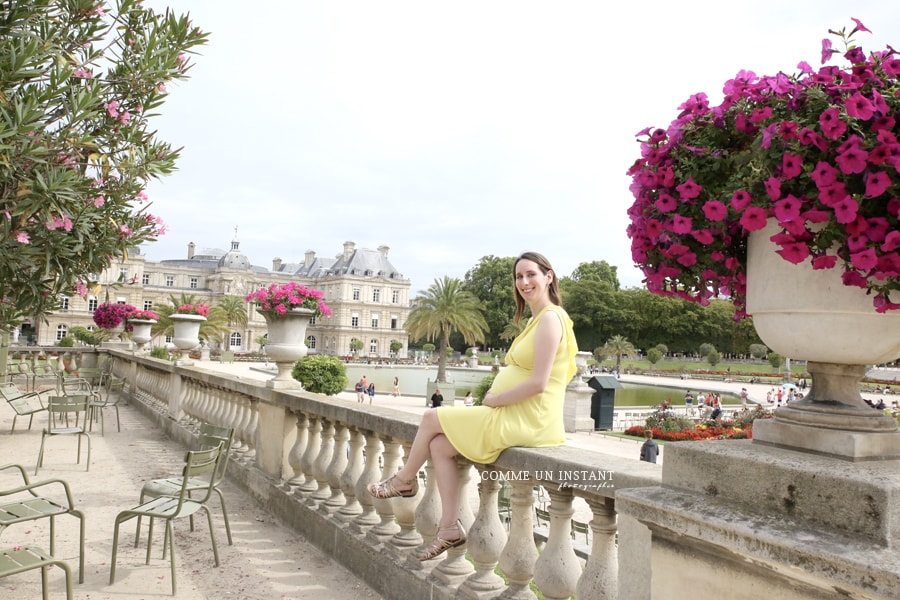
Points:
(385, 508)
(221, 409)
(600, 579)
(307, 463)
(557, 569)
(486, 540)
(454, 569)
(205, 405)
(243, 421)
(295, 456)
(252, 430)
(371, 472)
(188, 402)
(323, 459)
(336, 468)
(520, 552)
(428, 515)
(355, 465)
(405, 512)
(232, 417)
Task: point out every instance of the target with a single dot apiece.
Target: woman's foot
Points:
(394, 487)
(446, 538)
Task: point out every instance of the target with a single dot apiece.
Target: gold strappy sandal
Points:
(386, 489)
(440, 545)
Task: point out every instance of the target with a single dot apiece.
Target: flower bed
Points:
(679, 429)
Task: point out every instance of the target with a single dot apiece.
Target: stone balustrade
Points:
(308, 458)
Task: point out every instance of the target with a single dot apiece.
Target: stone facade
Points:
(369, 297)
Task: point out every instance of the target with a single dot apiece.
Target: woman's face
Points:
(531, 282)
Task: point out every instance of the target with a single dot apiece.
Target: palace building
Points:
(368, 296)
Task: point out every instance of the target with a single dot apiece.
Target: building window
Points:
(92, 304)
(145, 279)
(64, 303)
(168, 339)
(374, 321)
(170, 281)
(354, 321)
(395, 322)
(61, 331)
(123, 273)
(373, 346)
(195, 283)
(311, 342)
(376, 295)
(395, 297)
(356, 294)
(148, 304)
(312, 320)
(235, 340)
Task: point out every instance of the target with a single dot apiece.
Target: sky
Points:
(450, 131)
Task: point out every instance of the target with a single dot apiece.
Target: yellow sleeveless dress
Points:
(481, 433)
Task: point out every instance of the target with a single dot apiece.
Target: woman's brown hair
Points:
(544, 265)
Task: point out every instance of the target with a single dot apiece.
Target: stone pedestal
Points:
(577, 407)
(742, 520)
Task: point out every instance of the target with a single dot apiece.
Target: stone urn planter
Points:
(811, 315)
(187, 330)
(140, 333)
(286, 344)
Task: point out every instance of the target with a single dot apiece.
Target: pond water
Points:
(413, 381)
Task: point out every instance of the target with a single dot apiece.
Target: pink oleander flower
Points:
(278, 299)
(818, 152)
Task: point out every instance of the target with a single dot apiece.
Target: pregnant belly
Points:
(509, 377)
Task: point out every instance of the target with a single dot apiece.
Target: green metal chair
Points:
(25, 404)
(198, 463)
(25, 558)
(210, 437)
(61, 410)
(108, 394)
(28, 505)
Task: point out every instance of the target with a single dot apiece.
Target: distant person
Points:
(371, 390)
(649, 449)
(437, 399)
(469, 400)
(744, 397)
(396, 389)
(360, 391)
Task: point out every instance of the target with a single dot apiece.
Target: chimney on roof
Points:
(348, 250)
(384, 250)
(310, 259)
(191, 250)
(276, 264)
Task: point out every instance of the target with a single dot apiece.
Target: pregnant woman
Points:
(524, 406)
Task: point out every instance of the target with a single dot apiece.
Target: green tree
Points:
(776, 360)
(444, 308)
(491, 281)
(321, 374)
(618, 346)
(235, 311)
(759, 351)
(396, 346)
(597, 271)
(654, 356)
(713, 357)
(705, 349)
(78, 87)
(356, 345)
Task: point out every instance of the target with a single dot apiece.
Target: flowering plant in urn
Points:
(193, 309)
(110, 315)
(145, 315)
(816, 151)
(279, 298)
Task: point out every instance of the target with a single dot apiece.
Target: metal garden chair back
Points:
(63, 410)
(25, 404)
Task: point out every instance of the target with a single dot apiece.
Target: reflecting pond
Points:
(634, 394)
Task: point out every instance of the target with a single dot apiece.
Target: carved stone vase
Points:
(286, 344)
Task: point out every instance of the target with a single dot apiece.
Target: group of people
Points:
(364, 388)
(709, 405)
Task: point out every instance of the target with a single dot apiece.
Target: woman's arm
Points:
(547, 338)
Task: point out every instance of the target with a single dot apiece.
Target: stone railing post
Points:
(175, 397)
(520, 553)
(270, 440)
(323, 459)
(556, 570)
(405, 512)
(352, 474)
(391, 459)
(336, 468)
(428, 514)
(600, 579)
(487, 537)
(296, 453)
(313, 442)
(367, 516)
(455, 568)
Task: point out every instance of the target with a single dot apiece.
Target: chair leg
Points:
(137, 530)
(80, 516)
(115, 546)
(89, 451)
(40, 460)
(212, 534)
(171, 535)
(225, 515)
(118, 424)
(52, 535)
(45, 593)
(149, 539)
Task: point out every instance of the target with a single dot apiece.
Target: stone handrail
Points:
(286, 454)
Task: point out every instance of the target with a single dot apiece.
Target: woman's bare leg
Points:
(446, 475)
(419, 451)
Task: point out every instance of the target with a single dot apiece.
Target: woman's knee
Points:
(441, 446)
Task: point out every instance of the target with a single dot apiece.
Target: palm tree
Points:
(441, 310)
(235, 309)
(619, 346)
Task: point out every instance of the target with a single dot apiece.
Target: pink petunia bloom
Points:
(808, 137)
(665, 203)
(845, 211)
(852, 160)
(791, 165)
(688, 259)
(853, 278)
(794, 252)
(864, 260)
(877, 182)
(826, 50)
(858, 106)
(788, 209)
(773, 187)
(891, 67)
(832, 125)
(704, 236)
(760, 114)
(824, 175)
(754, 218)
(740, 200)
(859, 26)
(715, 210)
(689, 189)
(681, 224)
(857, 243)
(823, 261)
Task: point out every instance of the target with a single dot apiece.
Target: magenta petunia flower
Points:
(852, 160)
(681, 224)
(823, 261)
(877, 183)
(832, 125)
(689, 189)
(788, 209)
(715, 210)
(666, 203)
(740, 200)
(773, 188)
(791, 165)
(845, 210)
(754, 218)
(794, 252)
(864, 260)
